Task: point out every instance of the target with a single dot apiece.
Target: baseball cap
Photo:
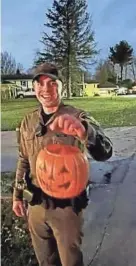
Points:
(46, 69)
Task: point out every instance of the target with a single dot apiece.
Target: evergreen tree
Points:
(69, 42)
(121, 54)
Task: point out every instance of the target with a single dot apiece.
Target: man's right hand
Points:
(18, 208)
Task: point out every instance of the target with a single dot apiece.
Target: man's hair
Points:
(46, 68)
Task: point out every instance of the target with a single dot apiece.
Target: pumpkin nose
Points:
(50, 177)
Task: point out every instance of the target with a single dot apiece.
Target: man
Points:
(55, 226)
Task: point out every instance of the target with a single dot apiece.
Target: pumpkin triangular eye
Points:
(64, 170)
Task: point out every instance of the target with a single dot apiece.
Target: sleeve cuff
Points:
(91, 133)
(17, 194)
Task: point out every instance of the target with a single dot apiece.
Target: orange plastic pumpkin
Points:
(62, 171)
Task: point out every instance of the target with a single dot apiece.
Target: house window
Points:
(24, 83)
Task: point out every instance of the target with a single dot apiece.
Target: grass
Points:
(16, 244)
(110, 112)
(7, 183)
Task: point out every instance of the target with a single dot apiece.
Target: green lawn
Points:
(110, 112)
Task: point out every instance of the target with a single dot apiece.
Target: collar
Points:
(41, 114)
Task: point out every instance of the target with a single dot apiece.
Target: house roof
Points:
(107, 85)
(16, 77)
(6, 82)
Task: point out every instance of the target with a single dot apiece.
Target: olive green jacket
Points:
(97, 144)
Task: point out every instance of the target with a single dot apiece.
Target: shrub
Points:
(16, 244)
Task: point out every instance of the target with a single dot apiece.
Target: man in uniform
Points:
(55, 225)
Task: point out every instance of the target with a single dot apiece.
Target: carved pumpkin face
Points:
(62, 171)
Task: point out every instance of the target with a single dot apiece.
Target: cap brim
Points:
(45, 74)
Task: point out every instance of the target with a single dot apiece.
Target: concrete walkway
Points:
(110, 220)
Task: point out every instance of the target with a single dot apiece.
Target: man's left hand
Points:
(69, 125)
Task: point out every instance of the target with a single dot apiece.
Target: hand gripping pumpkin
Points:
(62, 171)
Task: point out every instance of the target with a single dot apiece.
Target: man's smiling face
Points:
(46, 90)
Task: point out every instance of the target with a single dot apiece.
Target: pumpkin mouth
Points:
(65, 185)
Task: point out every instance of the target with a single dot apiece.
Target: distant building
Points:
(90, 88)
(21, 80)
(18, 85)
(107, 89)
(94, 88)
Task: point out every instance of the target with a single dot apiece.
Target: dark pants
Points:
(56, 235)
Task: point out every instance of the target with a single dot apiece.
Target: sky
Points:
(22, 25)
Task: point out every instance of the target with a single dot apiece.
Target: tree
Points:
(19, 67)
(105, 72)
(8, 64)
(101, 72)
(70, 41)
(121, 54)
(133, 67)
(127, 83)
(87, 76)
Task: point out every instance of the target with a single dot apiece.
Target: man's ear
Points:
(59, 82)
(33, 84)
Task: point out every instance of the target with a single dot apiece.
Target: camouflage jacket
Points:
(30, 140)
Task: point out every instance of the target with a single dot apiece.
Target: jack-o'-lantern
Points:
(62, 170)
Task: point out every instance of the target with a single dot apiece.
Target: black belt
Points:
(37, 196)
(77, 203)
